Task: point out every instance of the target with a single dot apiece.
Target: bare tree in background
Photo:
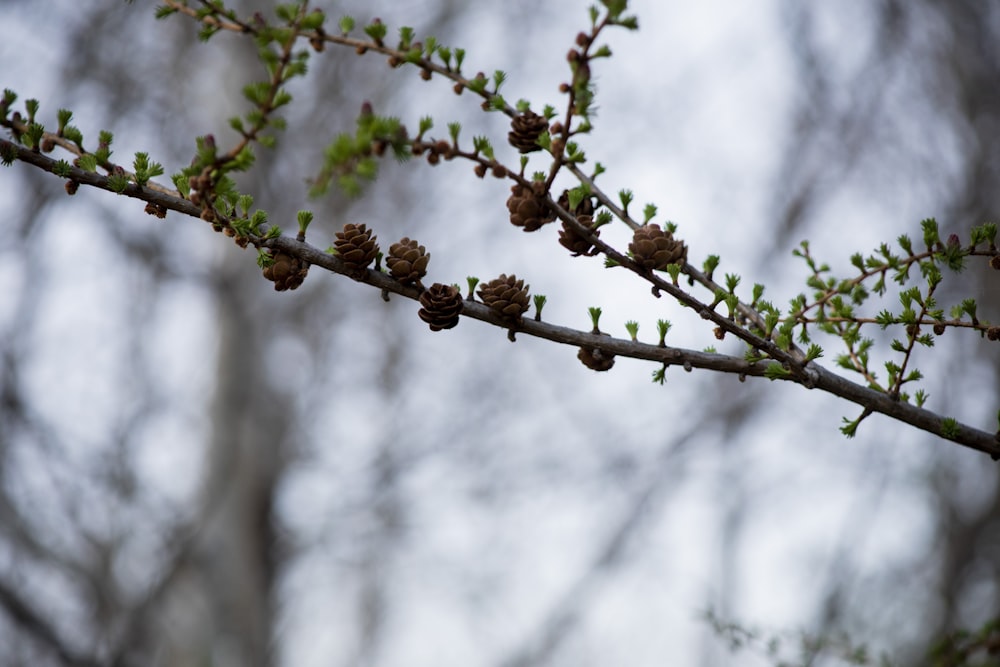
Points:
(368, 491)
(207, 594)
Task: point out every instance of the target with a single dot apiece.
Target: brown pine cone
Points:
(286, 272)
(595, 358)
(585, 207)
(528, 208)
(407, 261)
(654, 248)
(442, 305)
(356, 246)
(573, 241)
(525, 130)
(506, 295)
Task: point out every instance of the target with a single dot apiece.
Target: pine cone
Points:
(654, 248)
(595, 358)
(442, 305)
(407, 261)
(585, 207)
(506, 295)
(528, 208)
(573, 241)
(525, 130)
(286, 272)
(356, 246)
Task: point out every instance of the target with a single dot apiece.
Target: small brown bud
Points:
(48, 145)
(458, 88)
(993, 333)
(480, 170)
(573, 56)
(720, 333)
(995, 262)
(72, 186)
(156, 209)
(582, 39)
(595, 358)
(361, 50)
(425, 74)
(395, 61)
(499, 171)
(939, 328)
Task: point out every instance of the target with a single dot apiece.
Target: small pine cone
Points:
(585, 207)
(407, 261)
(442, 305)
(528, 209)
(995, 262)
(287, 272)
(573, 241)
(993, 333)
(506, 295)
(654, 248)
(525, 130)
(356, 246)
(595, 358)
(156, 209)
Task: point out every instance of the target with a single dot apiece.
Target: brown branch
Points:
(809, 375)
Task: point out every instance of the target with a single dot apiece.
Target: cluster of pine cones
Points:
(651, 248)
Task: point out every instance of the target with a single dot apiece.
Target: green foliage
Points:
(350, 160)
(304, 218)
(595, 316)
(539, 302)
(145, 169)
(633, 329)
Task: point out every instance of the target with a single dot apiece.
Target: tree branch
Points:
(812, 375)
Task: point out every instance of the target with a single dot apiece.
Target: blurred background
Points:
(196, 470)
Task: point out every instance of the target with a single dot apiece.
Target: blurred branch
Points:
(562, 617)
(35, 624)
